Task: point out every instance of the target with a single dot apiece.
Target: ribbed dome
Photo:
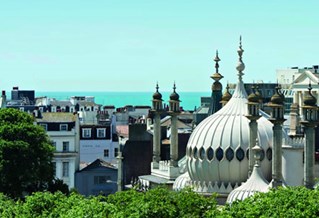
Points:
(181, 182)
(217, 148)
(255, 183)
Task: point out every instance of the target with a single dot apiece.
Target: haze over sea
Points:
(189, 100)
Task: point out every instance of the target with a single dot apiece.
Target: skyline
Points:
(129, 46)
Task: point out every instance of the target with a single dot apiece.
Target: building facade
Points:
(63, 130)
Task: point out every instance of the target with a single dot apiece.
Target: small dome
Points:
(174, 96)
(181, 182)
(253, 98)
(255, 183)
(309, 99)
(157, 95)
(277, 98)
(226, 96)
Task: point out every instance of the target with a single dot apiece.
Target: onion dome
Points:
(277, 98)
(217, 149)
(309, 99)
(226, 96)
(157, 95)
(255, 183)
(174, 96)
(253, 97)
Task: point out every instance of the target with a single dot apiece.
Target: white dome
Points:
(217, 148)
(181, 182)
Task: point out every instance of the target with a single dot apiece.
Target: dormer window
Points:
(100, 133)
(63, 127)
(86, 132)
(44, 126)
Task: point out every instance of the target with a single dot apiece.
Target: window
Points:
(65, 146)
(44, 126)
(86, 133)
(106, 152)
(65, 166)
(100, 133)
(63, 127)
(116, 151)
(54, 144)
(54, 168)
(101, 180)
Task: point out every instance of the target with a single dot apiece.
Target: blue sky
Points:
(122, 45)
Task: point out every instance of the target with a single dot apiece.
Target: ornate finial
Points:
(174, 87)
(216, 60)
(240, 66)
(216, 76)
(157, 86)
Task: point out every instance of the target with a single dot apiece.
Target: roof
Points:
(154, 179)
(88, 103)
(166, 121)
(60, 103)
(98, 163)
(58, 117)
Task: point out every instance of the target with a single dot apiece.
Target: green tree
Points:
(25, 154)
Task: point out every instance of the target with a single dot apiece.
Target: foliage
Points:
(58, 185)
(160, 202)
(25, 154)
(284, 202)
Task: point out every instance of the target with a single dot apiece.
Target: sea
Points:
(189, 100)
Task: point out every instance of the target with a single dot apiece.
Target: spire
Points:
(226, 96)
(240, 66)
(216, 76)
(216, 60)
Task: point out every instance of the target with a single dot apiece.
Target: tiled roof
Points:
(58, 117)
(99, 163)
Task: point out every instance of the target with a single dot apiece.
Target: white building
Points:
(97, 138)
(63, 130)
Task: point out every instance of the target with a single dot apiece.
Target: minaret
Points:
(157, 109)
(119, 171)
(226, 96)
(174, 110)
(216, 89)
(309, 121)
(277, 118)
(253, 116)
